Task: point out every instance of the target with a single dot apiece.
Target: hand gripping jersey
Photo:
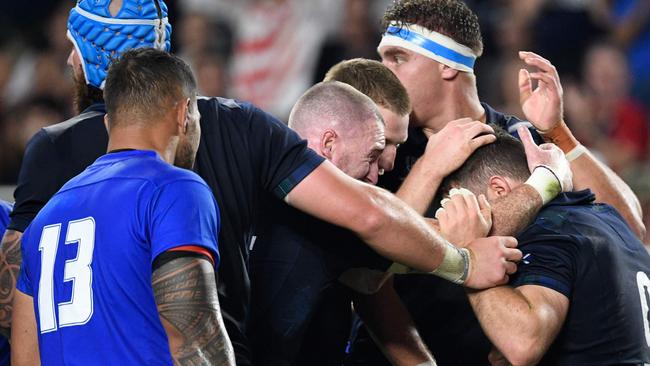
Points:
(87, 258)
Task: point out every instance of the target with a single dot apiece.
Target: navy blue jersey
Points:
(5, 209)
(295, 266)
(245, 155)
(440, 309)
(588, 253)
(88, 254)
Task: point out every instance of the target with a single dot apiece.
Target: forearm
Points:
(509, 322)
(391, 326)
(609, 188)
(512, 213)
(186, 295)
(10, 260)
(420, 187)
(382, 220)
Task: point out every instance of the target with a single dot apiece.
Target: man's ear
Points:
(182, 116)
(498, 186)
(448, 73)
(327, 140)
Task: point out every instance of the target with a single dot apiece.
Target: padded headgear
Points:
(100, 37)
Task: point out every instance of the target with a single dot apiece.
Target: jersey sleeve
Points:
(24, 283)
(549, 260)
(183, 213)
(37, 181)
(282, 157)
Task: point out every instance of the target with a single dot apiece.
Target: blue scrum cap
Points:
(100, 37)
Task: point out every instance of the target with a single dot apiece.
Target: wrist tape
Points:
(575, 153)
(561, 136)
(545, 183)
(454, 266)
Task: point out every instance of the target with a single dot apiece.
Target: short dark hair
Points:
(145, 82)
(375, 80)
(505, 157)
(449, 17)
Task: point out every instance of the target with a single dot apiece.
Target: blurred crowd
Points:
(270, 51)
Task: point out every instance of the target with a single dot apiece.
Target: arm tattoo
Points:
(186, 294)
(10, 259)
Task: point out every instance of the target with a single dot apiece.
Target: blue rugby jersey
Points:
(88, 254)
(588, 253)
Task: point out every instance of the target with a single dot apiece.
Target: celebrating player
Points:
(245, 156)
(119, 265)
(432, 45)
(580, 295)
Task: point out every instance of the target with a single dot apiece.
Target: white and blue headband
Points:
(430, 44)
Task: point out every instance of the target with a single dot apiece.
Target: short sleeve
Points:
(548, 261)
(282, 157)
(183, 212)
(37, 181)
(23, 283)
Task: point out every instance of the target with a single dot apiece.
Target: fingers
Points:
(512, 255)
(509, 242)
(485, 208)
(511, 268)
(525, 86)
(527, 140)
(476, 128)
(477, 142)
(533, 59)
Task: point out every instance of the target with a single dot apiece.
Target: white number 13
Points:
(79, 309)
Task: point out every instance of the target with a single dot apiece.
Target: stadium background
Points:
(270, 51)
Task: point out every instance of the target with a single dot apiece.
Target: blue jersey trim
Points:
(544, 281)
(290, 182)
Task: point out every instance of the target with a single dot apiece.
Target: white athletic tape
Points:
(576, 152)
(433, 45)
(545, 183)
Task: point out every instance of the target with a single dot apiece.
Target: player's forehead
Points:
(388, 50)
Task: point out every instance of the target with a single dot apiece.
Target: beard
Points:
(186, 150)
(84, 94)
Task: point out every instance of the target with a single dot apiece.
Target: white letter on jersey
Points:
(643, 282)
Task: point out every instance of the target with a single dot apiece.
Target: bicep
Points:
(332, 196)
(24, 339)
(549, 307)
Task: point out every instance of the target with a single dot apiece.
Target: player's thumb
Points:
(485, 208)
(525, 86)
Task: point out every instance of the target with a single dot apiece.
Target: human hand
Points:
(542, 106)
(549, 156)
(492, 261)
(462, 218)
(448, 149)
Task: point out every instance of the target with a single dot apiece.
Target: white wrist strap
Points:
(545, 183)
(454, 266)
(576, 152)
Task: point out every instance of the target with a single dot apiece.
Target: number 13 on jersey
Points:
(79, 309)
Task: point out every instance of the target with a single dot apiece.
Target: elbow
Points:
(523, 352)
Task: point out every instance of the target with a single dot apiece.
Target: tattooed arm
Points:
(10, 259)
(186, 294)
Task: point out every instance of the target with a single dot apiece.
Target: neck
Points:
(142, 138)
(459, 100)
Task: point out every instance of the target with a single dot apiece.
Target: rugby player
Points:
(245, 156)
(580, 295)
(431, 46)
(118, 266)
